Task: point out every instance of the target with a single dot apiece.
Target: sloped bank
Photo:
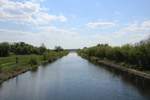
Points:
(135, 74)
(4, 76)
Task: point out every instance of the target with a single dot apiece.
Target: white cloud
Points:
(100, 24)
(124, 35)
(30, 12)
(146, 24)
(69, 38)
(137, 28)
(26, 12)
(50, 36)
(131, 33)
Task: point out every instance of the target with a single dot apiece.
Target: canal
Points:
(72, 78)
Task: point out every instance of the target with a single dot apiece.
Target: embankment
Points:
(9, 69)
(136, 74)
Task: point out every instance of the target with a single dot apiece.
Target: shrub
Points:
(33, 61)
(135, 55)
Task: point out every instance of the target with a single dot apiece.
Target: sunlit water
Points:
(70, 78)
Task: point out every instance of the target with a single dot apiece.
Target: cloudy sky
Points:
(74, 23)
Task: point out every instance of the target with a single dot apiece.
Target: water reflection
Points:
(142, 85)
(73, 78)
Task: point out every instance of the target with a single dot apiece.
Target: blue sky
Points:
(74, 23)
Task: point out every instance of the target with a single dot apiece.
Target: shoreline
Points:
(32, 68)
(125, 70)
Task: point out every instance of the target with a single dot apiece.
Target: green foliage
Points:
(20, 48)
(42, 49)
(136, 55)
(33, 61)
(45, 56)
(4, 49)
(28, 58)
(58, 48)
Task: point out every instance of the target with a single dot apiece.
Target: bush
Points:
(4, 49)
(135, 55)
(45, 56)
(33, 61)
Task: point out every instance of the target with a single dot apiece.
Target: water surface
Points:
(71, 78)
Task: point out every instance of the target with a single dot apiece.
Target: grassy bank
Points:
(122, 67)
(13, 65)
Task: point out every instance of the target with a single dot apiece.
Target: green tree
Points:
(4, 49)
(42, 49)
(58, 48)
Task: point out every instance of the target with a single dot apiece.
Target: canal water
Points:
(72, 78)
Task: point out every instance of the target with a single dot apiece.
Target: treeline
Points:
(137, 55)
(22, 48)
(16, 58)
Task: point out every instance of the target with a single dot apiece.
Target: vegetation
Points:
(20, 48)
(4, 49)
(20, 57)
(137, 55)
(33, 61)
(58, 48)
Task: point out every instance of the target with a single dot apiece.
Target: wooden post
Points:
(16, 60)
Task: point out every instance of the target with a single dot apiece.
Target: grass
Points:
(134, 71)
(9, 68)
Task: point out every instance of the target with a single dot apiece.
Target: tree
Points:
(4, 49)
(58, 48)
(42, 49)
(137, 55)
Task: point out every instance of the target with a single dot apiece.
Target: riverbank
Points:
(10, 68)
(119, 67)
